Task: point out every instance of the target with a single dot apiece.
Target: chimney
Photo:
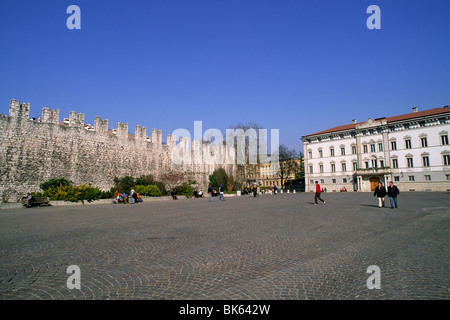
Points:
(415, 109)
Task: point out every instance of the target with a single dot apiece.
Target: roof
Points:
(408, 116)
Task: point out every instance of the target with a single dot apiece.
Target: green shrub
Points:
(55, 182)
(150, 190)
(184, 190)
(83, 192)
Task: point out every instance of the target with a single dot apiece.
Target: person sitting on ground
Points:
(195, 193)
(174, 195)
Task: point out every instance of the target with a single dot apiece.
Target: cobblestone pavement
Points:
(270, 247)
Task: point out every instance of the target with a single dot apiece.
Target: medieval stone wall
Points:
(32, 152)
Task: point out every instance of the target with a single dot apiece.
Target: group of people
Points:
(123, 198)
(380, 192)
(198, 194)
(212, 192)
(392, 193)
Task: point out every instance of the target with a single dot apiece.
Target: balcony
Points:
(373, 171)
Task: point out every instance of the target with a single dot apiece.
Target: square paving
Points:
(269, 247)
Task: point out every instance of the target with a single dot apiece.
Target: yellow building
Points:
(270, 174)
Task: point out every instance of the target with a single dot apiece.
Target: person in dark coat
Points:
(380, 192)
(393, 192)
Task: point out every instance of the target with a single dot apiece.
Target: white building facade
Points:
(412, 150)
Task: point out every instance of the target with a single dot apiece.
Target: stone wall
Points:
(32, 152)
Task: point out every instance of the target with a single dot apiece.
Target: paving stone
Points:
(268, 247)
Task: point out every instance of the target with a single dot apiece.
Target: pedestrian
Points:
(393, 192)
(132, 195)
(380, 192)
(221, 193)
(210, 191)
(317, 195)
(274, 189)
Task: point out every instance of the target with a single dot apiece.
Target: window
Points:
(332, 152)
(396, 178)
(426, 161)
(444, 140)
(321, 168)
(311, 169)
(365, 148)
(343, 151)
(344, 180)
(427, 178)
(366, 164)
(320, 154)
(311, 181)
(353, 149)
(394, 145)
(380, 147)
(447, 176)
(333, 167)
(355, 166)
(372, 148)
(411, 178)
(344, 167)
(424, 142)
(322, 181)
(310, 154)
(447, 160)
(374, 163)
(410, 162)
(395, 163)
(408, 143)
(334, 180)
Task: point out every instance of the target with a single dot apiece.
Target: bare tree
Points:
(172, 179)
(288, 164)
(243, 170)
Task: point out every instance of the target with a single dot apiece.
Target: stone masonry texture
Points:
(32, 152)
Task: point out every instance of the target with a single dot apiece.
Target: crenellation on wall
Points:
(122, 131)
(24, 111)
(14, 109)
(171, 142)
(140, 135)
(159, 137)
(76, 119)
(101, 126)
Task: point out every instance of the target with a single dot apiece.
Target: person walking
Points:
(317, 195)
(221, 193)
(380, 192)
(210, 191)
(393, 192)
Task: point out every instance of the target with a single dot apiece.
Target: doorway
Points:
(374, 183)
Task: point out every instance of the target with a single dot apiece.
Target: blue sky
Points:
(297, 66)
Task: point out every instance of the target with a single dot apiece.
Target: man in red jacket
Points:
(317, 195)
